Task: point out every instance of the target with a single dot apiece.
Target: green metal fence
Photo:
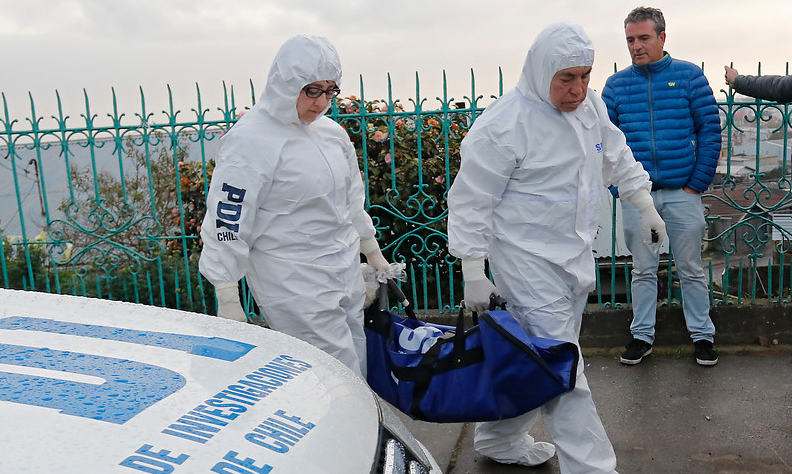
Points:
(110, 205)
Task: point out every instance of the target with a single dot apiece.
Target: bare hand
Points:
(731, 73)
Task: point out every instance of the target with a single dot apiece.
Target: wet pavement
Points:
(666, 415)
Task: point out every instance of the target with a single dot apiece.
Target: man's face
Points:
(569, 87)
(645, 45)
(309, 109)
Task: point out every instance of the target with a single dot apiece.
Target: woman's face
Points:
(308, 109)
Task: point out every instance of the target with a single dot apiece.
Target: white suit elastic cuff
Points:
(368, 246)
(227, 293)
(473, 269)
(641, 199)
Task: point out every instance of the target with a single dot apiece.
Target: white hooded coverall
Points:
(527, 197)
(285, 209)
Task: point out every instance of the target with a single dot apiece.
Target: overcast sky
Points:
(71, 45)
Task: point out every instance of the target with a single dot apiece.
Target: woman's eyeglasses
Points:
(315, 92)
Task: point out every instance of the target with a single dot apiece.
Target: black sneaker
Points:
(636, 351)
(704, 352)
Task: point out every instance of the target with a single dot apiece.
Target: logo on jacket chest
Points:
(598, 146)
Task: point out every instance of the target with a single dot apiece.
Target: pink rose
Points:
(388, 158)
(379, 136)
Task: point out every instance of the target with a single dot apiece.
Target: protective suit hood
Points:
(300, 61)
(559, 46)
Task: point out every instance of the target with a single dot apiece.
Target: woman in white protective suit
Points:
(285, 209)
(534, 166)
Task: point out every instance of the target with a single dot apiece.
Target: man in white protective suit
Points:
(285, 209)
(534, 166)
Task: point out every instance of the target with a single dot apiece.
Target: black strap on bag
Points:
(379, 320)
(377, 317)
(431, 364)
(495, 302)
(382, 297)
(408, 308)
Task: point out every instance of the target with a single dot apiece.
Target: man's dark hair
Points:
(647, 13)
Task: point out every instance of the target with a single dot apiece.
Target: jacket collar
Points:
(654, 67)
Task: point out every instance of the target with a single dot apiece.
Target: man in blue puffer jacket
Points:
(666, 109)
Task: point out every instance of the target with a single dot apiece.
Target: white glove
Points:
(370, 248)
(650, 219)
(371, 283)
(228, 305)
(478, 288)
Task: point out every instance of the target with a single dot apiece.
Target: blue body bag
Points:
(446, 374)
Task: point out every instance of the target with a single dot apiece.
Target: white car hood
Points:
(94, 386)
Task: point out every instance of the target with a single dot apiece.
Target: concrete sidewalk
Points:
(667, 415)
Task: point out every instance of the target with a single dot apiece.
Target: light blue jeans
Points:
(684, 220)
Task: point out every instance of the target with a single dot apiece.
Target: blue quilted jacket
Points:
(670, 118)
